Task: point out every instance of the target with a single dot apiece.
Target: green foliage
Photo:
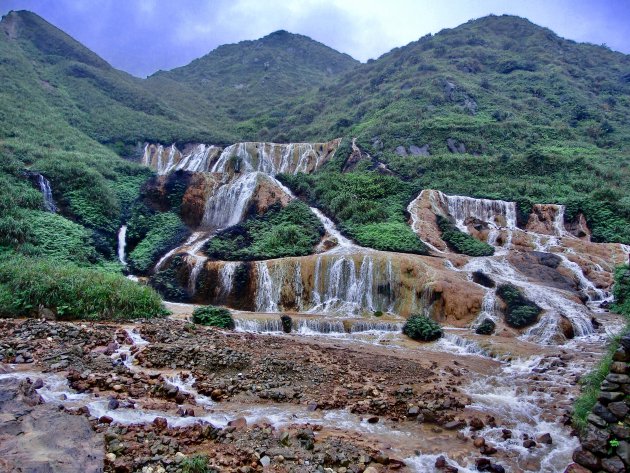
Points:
(166, 231)
(72, 292)
(56, 237)
(289, 231)
(422, 328)
(461, 242)
(287, 323)
(621, 290)
(196, 464)
(486, 327)
(166, 281)
(369, 206)
(213, 316)
(521, 312)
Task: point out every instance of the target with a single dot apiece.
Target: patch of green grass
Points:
(290, 231)
(422, 328)
(213, 316)
(461, 242)
(71, 291)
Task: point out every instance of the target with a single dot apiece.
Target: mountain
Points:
(238, 82)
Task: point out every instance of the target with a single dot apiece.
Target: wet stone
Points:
(606, 397)
(586, 458)
(620, 409)
(613, 465)
(608, 386)
(604, 413)
(618, 378)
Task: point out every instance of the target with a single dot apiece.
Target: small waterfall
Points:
(227, 205)
(258, 325)
(226, 277)
(488, 307)
(267, 293)
(122, 243)
(416, 222)
(369, 326)
(329, 226)
(486, 210)
(319, 326)
(452, 343)
(46, 189)
(558, 221)
(198, 159)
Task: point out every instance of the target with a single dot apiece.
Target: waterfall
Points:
(197, 160)
(452, 343)
(558, 221)
(554, 302)
(267, 293)
(369, 326)
(329, 226)
(319, 326)
(122, 243)
(416, 222)
(46, 189)
(226, 277)
(258, 325)
(227, 205)
(462, 208)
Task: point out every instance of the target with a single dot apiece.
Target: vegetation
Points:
(196, 464)
(520, 312)
(486, 327)
(590, 383)
(370, 207)
(287, 323)
(71, 292)
(213, 316)
(461, 242)
(165, 231)
(422, 328)
(282, 231)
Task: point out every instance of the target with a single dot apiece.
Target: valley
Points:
(415, 264)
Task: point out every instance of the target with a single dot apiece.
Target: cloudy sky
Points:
(143, 36)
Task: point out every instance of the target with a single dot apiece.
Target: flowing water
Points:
(122, 243)
(46, 189)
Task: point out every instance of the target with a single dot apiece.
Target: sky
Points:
(143, 36)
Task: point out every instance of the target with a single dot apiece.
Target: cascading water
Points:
(258, 325)
(227, 205)
(226, 277)
(122, 242)
(46, 189)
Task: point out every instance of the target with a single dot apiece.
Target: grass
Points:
(583, 405)
(71, 292)
(213, 316)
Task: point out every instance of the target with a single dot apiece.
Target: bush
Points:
(72, 292)
(196, 464)
(287, 323)
(461, 242)
(422, 328)
(290, 231)
(213, 316)
(486, 327)
(521, 312)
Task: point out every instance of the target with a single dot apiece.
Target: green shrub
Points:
(166, 282)
(72, 292)
(621, 290)
(290, 231)
(389, 236)
(521, 312)
(213, 316)
(422, 328)
(287, 323)
(461, 242)
(486, 327)
(196, 464)
(166, 231)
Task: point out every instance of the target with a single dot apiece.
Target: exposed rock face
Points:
(542, 267)
(362, 282)
(40, 437)
(271, 158)
(546, 219)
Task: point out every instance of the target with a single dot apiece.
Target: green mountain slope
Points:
(239, 82)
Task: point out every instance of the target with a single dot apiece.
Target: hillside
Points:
(239, 82)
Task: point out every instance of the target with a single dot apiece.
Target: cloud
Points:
(143, 36)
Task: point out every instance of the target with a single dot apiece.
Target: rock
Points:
(413, 411)
(19, 359)
(160, 423)
(179, 457)
(238, 423)
(601, 411)
(620, 431)
(609, 396)
(480, 277)
(619, 408)
(623, 451)
(110, 457)
(544, 438)
(401, 151)
(566, 327)
(455, 425)
(46, 314)
(476, 423)
(595, 440)
(455, 147)
(618, 378)
(608, 386)
(596, 421)
(529, 443)
(479, 442)
(419, 151)
(613, 465)
(621, 355)
(265, 461)
(618, 367)
(113, 404)
(575, 468)
(586, 458)
(370, 469)
(483, 464)
(373, 420)
(38, 384)
(506, 434)
(105, 420)
(488, 450)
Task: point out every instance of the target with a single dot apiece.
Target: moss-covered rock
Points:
(422, 328)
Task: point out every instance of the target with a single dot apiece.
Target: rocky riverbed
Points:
(150, 396)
